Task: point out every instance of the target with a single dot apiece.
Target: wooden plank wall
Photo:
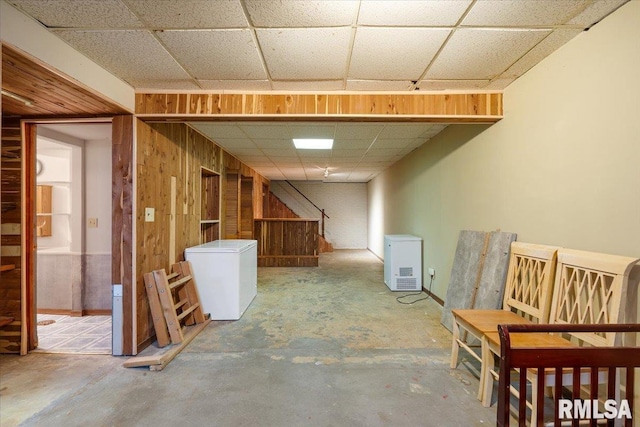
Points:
(246, 208)
(166, 151)
(287, 242)
(10, 226)
(231, 205)
(278, 209)
(122, 194)
(480, 107)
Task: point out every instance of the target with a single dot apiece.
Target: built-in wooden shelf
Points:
(209, 206)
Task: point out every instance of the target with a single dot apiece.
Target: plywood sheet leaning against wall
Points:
(10, 226)
(166, 153)
(479, 272)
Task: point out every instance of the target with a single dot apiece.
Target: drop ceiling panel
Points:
(232, 85)
(146, 84)
(595, 12)
(475, 54)
(245, 152)
(196, 14)
(394, 53)
(250, 159)
(391, 143)
(215, 54)
(266, 130)
(220, 130)
(379, 85)
(235, 144)
(433, 13)
(540, 51)
(349, 152)
(399, 131)
(279, 152)
(518, 13)
(80, 14)
(301, 13)
(357, 130)
(132, 55)
(314, 154)
(311, 130)
(309, 85)
(345, 144)
(453, 84)
(274, 143)
(301, 54)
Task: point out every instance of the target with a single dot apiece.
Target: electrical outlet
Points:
(92, 222)
(432, 272)
(149, 214)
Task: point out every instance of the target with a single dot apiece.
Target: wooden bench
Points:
(527, 299)
(588, 290)
(522, 351)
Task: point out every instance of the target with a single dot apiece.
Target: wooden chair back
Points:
(588, 290)
(530, 277)
(616, 361)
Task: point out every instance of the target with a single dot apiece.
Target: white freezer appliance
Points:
(226, 274)
(403, 262)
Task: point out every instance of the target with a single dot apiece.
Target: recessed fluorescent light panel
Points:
(313, 144)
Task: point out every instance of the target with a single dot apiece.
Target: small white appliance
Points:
(403, 262)
(226, 274)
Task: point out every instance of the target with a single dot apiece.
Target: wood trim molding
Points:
(122, 269)
(477, 107)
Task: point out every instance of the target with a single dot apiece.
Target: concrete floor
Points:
(326, 346)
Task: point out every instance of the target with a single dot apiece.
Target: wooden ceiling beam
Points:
(477, 107)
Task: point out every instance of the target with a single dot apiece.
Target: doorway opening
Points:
(73, 229)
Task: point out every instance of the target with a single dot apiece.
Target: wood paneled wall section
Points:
(231, 205)
(278, 209)
(287, 242)
(246, 208)
(122, 192)
(10, 235)
(480, 107)
(166, 150)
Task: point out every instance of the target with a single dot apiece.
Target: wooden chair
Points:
(527, 299)
(516, 354)
(588, 290)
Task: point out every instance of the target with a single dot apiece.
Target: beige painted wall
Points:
(562, 167)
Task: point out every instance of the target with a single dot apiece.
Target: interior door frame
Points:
(121, 232)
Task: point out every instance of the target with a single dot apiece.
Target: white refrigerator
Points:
(226, 274)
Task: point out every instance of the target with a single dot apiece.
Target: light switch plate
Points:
(92, 222)
(149, 214)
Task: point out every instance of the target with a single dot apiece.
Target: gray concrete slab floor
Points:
(325, 346)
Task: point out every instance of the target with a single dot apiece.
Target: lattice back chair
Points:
(588, 290)
(527, 299)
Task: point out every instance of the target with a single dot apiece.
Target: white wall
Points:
(56, 160)
(345, 203)
(98, 196)
(561, 168)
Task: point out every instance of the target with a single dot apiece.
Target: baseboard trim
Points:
(435, 297)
